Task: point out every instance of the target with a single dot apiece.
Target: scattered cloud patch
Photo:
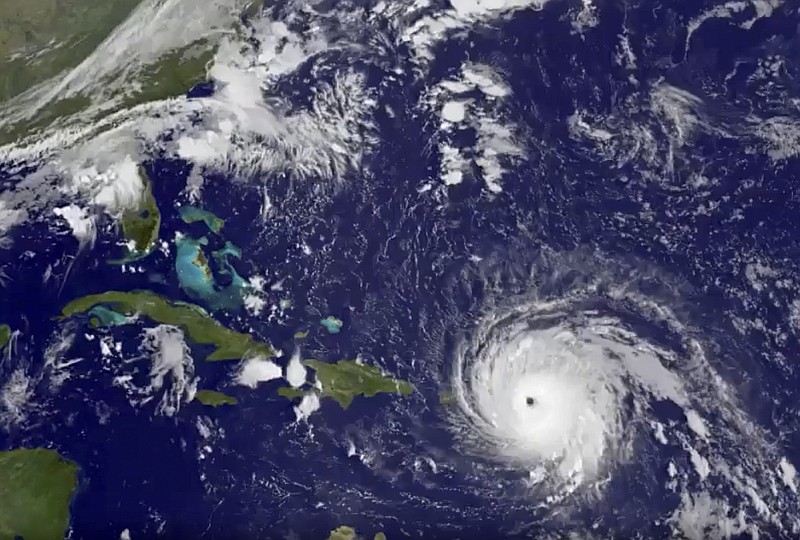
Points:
(472, 102)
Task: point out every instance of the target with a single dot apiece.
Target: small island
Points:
(194, 320)
(212, 398)
(36, 487)
(346, 379)
(332, 324)
(447, 398)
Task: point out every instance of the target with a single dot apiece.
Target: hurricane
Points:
(399, 269)
(582, 366)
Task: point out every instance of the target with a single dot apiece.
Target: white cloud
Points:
(307, 406)
(296, 371)
(258, 370)
(80, 222)
(428, 27)
(497, 144)
(788, 475)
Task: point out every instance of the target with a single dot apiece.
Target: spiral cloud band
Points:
(569, 382)
(551, 388)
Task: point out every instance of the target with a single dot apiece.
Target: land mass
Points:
(446, 398)
(346, 379)
(212, 398)
(349, 533)
(39, 40)
(192, 319)
(291, 393)
(36, 487)
(5, 335)
(141, 224)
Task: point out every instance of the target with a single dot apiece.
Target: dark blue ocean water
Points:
(390, 262)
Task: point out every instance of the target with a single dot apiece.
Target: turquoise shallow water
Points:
(197, 278)
(193, 214)
(107, 317)
(331, 324)
(191, 265)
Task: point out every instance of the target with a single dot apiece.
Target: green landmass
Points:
(57, 109)
(174, 74)
(40, 39)
(342, 533)
(36, 487)
(300, 335)
(5, 335)
(346, 379)
(201, 261)
(349, 533)
(140, 225)
(192, 319)
(213, 398)
(290, 393)
(446, 398)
